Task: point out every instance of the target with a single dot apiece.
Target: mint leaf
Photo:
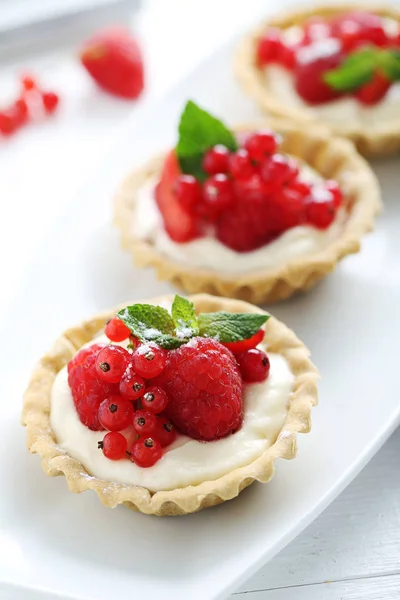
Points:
(390, 64)
(185, 319)
(150, 324)
(230, 327)
(198, 132)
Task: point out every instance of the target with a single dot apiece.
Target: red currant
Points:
(144, 422)
(114, 445)
(165, 432)
(116, 330)
(218, 193)
(276, 170)
(188, 192)
(320, 209)
(155, 400)
(146, 452)
(111, 363)
(28, 82)
(131, 385)
(270, 46)
(291, 206)
(302, 187)
(261, 144)
(21, 111)
(252, 342)
(336, 192)
(254, 365)
(360, 27)
(50, 101)
(216, 160)
(115, 413)
(8, 122)
(149, 360)
(240, 164)
(249, 189)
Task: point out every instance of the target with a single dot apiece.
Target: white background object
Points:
(56, 539)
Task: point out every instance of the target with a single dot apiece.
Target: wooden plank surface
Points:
(354, 544)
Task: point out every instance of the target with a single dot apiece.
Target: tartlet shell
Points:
(332, 157)
(55, 461)
(377, 142)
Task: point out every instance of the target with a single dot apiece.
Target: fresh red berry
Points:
(180, 225)
(115, 413)
(254, 365)
(261, 144)
(359, 27)
(8, 122)
(50, 101)
(134, 342)
(240, 164)
(320, 208)
(276, 170)
(111, 363)
(146, 452)
(155, 400)
(114, 445)
(131, 386)
(302, 187)
(204, 388)
(21, 111)
(291, 206)
(165, 432)
(218, 193)
(216, 160)
(336, 192)
(144, 422)
(114, 60)
(88, 392)
(149, 360)
(316, 29)
(270, 47)
(116, 330)
(310, 70)
(374, 91)
(28, 82)
(252, 342)
(188, 192)
(288, 57)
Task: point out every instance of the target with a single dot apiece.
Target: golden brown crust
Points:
(332, 157)
(375, 141)
(55, 461)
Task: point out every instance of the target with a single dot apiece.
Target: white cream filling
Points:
(344, 112)
(187, 461)
(209, 253)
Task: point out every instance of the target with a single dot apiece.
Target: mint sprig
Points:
(198, 132)
(154, 324)
(359, 68)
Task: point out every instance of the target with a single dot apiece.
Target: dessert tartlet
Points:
(255, 214)
(333, 64)
(178, 407)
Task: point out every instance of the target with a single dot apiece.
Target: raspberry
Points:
(254, 365)
(146, 452)
(165, 432)
(216, 160)
(155, 400)
(114, 445)
(88, 392)
(237, 347)
(116, 330)
(115, 413)
(309, 74)
(204, 387)
(148, 360)
(111, 363)
(144, 422)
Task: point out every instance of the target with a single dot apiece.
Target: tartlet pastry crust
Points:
(332, 157)
(370, 142)
(55, 461)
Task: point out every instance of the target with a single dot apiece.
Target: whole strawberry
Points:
(204, 387)
(113, 58)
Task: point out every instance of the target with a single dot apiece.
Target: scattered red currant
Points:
(188, 192)
(50, 102)
(111, 363)
(8, 122)
(131, 386)
(28, 82)
(240, 164)
(146, 452)
(216, 160)
(114, 445)
(144, 422)
(115, 413)
(155, 400)
(254, 365)
(320, 214)
(218, 193)
(261, 144)
(149, 360)
(116, 330)
(165, 432)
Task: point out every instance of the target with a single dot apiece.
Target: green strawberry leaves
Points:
(198, 132)
(360, 67)
(154, 324)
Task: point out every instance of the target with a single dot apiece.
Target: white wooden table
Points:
(352, 551)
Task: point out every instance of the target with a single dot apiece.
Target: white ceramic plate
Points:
(54, 541)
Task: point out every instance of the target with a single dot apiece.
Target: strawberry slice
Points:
(179, 224)
(113, 58)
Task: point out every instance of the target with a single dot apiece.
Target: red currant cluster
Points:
(31, 100)
(343, 35)
(254, 194)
